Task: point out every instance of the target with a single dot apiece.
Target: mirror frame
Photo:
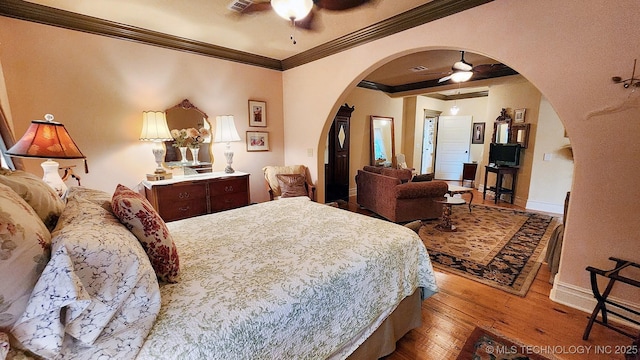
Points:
(187, 105)
(373, 119)
(524, 130)
(503, 119)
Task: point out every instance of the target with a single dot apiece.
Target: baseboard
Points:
(545, 207)
(353, 191)
(582, 299)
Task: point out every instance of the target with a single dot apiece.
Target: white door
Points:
(452, 146)
(428, 145)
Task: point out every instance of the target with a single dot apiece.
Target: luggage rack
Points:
(613, 275)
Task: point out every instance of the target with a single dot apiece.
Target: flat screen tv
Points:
(504, 154)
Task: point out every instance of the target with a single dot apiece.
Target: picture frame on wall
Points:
(518, 116)
(477, 136)
(257, 141)
(257, 113)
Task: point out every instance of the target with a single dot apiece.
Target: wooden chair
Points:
(273, 186)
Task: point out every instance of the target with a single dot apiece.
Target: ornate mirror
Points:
(501, 128)
(520, 134)
(382, 141)
(186, 116)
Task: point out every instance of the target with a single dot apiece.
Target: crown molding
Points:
(23, 10)
(436, 9)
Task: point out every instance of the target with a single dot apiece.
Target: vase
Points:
(183, 154)
(194, 155)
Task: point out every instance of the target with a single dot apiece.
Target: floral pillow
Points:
(25, 245)
(137, 214)
(292, 185)
(40, 196)
(98, 197)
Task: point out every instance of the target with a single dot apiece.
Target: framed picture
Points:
(257, 113)
(478, 133)
(518, 115)
(257, 141)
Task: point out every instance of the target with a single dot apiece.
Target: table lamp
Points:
(49, 140)
(226, 132)
(155, 129)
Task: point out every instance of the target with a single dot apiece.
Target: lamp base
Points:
(228, 154)
(156, 177)
(52, 177)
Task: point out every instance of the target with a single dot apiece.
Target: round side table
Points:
(447, 202)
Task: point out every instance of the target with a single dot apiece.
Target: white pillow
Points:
(24, 251)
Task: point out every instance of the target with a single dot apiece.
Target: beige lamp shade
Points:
(292, 9)
(154, 127)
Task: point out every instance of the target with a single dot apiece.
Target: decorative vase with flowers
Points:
(196, 138)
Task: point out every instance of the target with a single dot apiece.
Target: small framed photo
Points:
(257, 141)
(518, 115)
(257, 113)
(478, 133)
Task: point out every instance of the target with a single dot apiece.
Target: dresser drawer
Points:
(227, 186)
(169, 195)
(229, 201)
(182, 210)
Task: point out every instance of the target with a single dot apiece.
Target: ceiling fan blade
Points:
(487, 68)
(338, 5)
(308, 22)
(446, 78)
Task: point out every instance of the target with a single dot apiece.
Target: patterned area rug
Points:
(486, 345)
(498, 247)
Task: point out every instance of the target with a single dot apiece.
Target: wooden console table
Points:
(499, 189)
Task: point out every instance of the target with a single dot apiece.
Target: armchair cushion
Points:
(292, 185)
(422, 177)
(403, 174)
(271, 172)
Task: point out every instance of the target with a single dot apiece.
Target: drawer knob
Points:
(228, 188)
(184, 195)
(184, 208)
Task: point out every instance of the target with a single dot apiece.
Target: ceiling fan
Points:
(299, 12)
(462, 71)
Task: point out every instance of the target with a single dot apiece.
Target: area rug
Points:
(498, 247)
(483, 344)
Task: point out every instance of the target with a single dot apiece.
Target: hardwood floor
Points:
(450, 316)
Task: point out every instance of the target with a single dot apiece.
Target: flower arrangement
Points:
(190, 137)
(197, 137)
(180, 137)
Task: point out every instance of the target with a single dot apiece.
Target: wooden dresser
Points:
(187, 196)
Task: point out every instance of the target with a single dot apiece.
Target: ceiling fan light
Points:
(461, 76)
(292, 9)
(454, 110)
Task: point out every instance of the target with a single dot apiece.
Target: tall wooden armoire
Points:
(337, 168)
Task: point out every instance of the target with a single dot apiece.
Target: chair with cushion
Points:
(288, 181)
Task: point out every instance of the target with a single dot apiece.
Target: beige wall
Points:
(570, 63)
(367, 103)
(513, 95)
(98, 87)
(550, 179)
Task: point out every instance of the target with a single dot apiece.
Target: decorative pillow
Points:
(97, 297)
(137, 214)
(422, 177)
(40, 196)
(403, 174)
(98, 197)
(271, 172)
(24, 251)
(373, 169)
(292, 185)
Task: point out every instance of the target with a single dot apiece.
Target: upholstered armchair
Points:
(288, 181)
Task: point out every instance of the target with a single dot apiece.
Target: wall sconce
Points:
(155, 129)
(226, 132)
(48, 140)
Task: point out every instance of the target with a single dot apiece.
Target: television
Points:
(504, 154)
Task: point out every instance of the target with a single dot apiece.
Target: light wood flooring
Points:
(450, 316)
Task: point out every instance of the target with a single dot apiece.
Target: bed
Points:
(283, 279)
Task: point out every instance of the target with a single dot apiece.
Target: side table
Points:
(447, 202)
(499, 189)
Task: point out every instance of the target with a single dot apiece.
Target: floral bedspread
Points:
(286, 279)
